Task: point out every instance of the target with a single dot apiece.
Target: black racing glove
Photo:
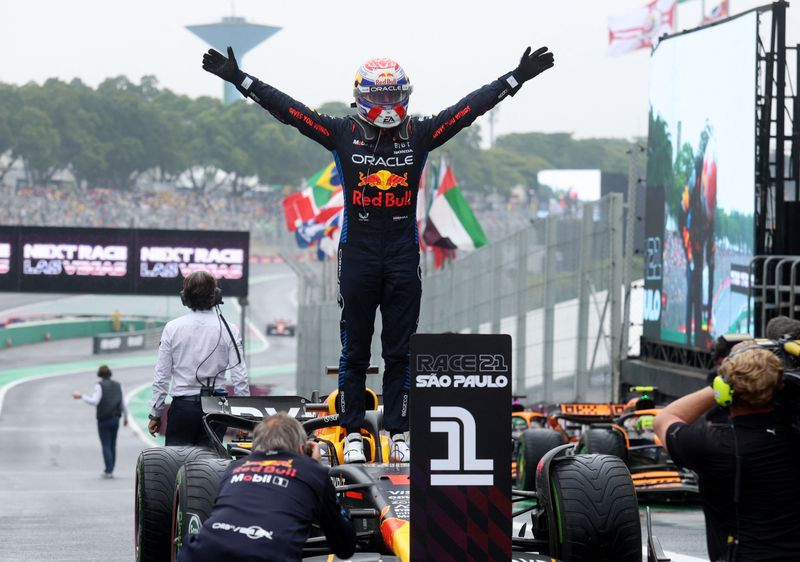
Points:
(533, 64)
(226, 68)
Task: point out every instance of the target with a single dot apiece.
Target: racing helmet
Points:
(708, 178)
(382, 90)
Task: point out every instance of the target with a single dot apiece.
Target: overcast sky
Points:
(448, 47)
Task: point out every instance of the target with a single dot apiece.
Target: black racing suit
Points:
(264, 511)
(378, 262)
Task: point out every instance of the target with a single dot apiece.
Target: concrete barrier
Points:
(24, 333)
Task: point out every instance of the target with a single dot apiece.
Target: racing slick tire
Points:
(196, 488)
(603, 441)
(596, 510)
(533, 444)
(156, 469)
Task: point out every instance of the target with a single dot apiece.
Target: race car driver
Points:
(268, 501)
(380, 153)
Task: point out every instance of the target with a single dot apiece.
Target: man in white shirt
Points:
(195, 352)
(109, 399)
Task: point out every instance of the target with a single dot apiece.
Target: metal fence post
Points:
(522, 307)
(584, 294)
(615, 288)
(474, 295)
(497, 286)
(549, 308)
(630, 226)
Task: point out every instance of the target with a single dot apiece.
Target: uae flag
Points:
(641, 28)
(451, 224)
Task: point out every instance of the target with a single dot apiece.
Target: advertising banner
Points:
(119, 261)
(119, 343)
(460, 415)
(67, 260)
(163, 261)
(8, 269)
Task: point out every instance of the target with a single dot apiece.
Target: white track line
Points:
(148, 440)
(6, 387)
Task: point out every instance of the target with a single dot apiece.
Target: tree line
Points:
(110, 135)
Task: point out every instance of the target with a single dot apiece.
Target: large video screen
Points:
(119, 261)
(700, 183)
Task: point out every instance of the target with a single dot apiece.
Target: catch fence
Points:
(548, 285)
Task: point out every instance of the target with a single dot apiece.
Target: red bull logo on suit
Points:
(384, 180)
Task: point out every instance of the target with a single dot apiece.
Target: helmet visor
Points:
(384, 95)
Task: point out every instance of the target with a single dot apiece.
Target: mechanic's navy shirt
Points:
(769, 505)
(264, 511)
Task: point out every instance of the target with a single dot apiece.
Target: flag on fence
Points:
(451, 223)
(298, 208)
(323, 228)
(641, 28)
(717, 12)
(325, 183)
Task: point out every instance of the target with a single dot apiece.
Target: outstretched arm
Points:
(445, 125)
(684, 410)
(284, 108)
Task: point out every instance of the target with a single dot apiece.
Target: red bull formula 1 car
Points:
(583, 507)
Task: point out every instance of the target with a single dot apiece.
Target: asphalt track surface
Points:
(53, 503)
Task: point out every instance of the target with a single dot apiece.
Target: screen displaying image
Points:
(8, 277)
(165, 257)
(74, 259)
(700, 182)
(119, 261)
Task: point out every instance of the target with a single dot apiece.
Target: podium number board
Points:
(460, 417)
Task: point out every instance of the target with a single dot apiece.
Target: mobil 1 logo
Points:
(460, 412)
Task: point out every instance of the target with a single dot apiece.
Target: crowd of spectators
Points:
(259, 212)
(100, 207)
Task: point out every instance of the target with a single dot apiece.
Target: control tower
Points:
(235, 32)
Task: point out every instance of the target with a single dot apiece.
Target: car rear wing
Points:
(585, 412)
(257, 407)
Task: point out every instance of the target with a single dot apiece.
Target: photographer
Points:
(195, 351)
(268, 500)
(747, 467)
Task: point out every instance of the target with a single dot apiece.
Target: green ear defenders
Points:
(723, 392)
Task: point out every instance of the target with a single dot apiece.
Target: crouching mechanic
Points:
(380, 153)
(747, 466)
(268, 500)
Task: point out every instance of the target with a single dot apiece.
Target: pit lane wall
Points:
(24, 333)
(549, 286)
